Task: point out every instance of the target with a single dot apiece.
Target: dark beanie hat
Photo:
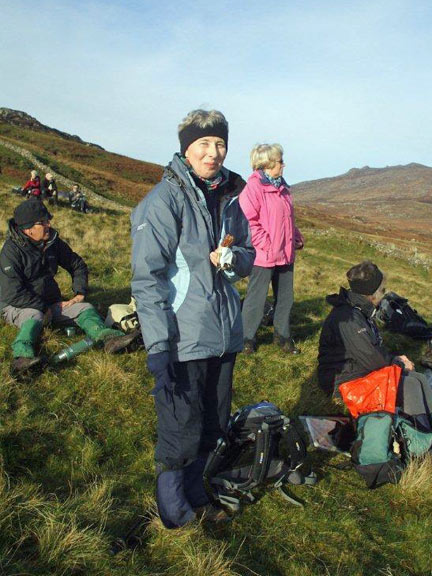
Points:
(29, 212)
(368, 285)
(192, 132)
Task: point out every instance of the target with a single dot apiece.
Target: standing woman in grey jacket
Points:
(190, 243)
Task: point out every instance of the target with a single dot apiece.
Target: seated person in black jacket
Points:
(29, 294)
(351, 347)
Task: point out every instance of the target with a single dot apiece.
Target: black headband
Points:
(369, 286)
(192, 132)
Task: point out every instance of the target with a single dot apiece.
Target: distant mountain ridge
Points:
(412, 178)
(395, 200)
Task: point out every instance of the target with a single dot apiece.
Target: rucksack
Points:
(398, 316)
(261, 448)
(384, 445)
(123, 316)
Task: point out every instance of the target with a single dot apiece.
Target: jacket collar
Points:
(180, 171)
(259, 174)
(352, 299)
(20, 239)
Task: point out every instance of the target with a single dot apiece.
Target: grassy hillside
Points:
(111, 175)
(76, 445)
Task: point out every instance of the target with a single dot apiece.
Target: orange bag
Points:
(372, 393)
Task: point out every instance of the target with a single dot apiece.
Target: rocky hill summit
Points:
(412, 180)
(24, 120)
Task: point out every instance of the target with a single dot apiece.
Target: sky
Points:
(339, 83)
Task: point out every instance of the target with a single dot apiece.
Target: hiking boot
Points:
(25, 366)
(249, 347)
(286, 344)
(119, 343)
(211, 514)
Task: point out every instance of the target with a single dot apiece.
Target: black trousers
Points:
(191, 420)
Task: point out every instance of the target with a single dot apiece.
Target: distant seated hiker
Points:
(351, 347)
(78, 199)
(267, 203)
(33, 186)
(29, 294)
(49, 189)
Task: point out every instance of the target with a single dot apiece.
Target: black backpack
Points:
(398, 316)
(262, 447)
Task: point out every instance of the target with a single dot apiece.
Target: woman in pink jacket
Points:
(267, 204)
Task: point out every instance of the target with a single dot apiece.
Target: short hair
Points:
(33, 173)
(265, 156)
(365, 278)
(203, 119)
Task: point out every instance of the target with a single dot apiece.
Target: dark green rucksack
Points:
(384, 445)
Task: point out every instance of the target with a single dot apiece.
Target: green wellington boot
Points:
(92, 324)
(25, 360)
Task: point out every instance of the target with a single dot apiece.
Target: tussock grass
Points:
(184, 553)
(76, 443)
(416, 483)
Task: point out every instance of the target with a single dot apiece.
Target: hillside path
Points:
(59, 177)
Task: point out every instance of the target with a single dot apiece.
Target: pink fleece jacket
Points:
(270, 213)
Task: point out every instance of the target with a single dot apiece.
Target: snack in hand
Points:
(227, 242)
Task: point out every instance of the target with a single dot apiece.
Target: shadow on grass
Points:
(305, 320)
(102, 298)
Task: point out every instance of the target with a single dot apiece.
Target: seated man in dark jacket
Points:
(29, 294)
(351, 347)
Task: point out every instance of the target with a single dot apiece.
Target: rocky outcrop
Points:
(24, 120)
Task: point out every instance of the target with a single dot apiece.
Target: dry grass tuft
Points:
(67, 547)
(416, 481)
(184, 553)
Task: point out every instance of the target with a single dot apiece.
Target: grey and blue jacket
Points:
(184, 304)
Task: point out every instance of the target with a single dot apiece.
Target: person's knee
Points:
(76, 309)
(24, 314)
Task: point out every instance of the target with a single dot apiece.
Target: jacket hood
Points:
(20, 239)
(347, 297)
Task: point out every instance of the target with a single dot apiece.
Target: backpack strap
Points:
(291, 445)
(213, 461)
(260, 465)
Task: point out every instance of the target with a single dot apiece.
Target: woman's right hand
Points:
(214, 258)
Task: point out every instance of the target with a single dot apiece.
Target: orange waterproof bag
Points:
(374, 392)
